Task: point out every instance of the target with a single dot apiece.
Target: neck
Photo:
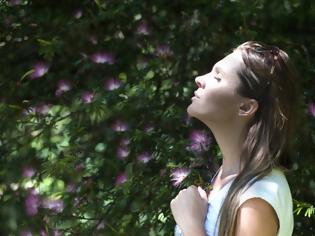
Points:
(230, 140)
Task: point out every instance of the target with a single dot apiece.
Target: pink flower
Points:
(56, 205)
(178, 175)
(112, 84)
(42, 109)
(77, 14)
(102, 57)
(124, 141)
(311, 108)
(144, 157)
(32, 203)
(199, 141)
(164, 51)
(26, 233)
(43, 232)
(40, 69)
(87, 97)
(70, 188)
(121, 178)
(143, 28)
(28, 171)
(122, 152)
(120, 126)
(63, 86)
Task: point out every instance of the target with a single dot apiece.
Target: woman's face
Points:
(216, 99)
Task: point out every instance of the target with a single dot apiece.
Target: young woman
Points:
(248, 102)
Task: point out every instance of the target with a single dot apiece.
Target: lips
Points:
(196, 95)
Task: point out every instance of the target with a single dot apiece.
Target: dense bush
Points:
(95, 139)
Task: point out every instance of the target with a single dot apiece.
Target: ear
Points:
(248, 107)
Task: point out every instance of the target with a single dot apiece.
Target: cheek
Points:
(222, 104)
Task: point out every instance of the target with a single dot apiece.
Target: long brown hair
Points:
(269, 77)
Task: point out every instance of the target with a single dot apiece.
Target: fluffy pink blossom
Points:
(40, 69)
(178, 175)
(63, 86)
(77, 14)
(120, 126)
(124, 141)
(122, 152)
(28, 171)
(163, 51)
(144, 157)
(102, 57)
(112, 84)
(70, 188)
(87, 97)
(199, 141)
(57, 205)
(121, 178)
(143, 28)
(43, 232)
(311, 108)
(32, 203)
(42, 109)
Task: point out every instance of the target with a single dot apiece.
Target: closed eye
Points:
(217, 78)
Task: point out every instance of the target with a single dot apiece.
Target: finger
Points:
(202, 193)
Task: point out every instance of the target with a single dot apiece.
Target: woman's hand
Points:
(189, 209)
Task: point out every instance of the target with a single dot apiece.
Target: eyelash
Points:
(217, 78)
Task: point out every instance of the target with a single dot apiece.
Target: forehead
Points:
(230, 63)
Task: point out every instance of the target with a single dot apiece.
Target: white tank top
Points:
(272, 188)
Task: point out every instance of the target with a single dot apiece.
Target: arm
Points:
(256, 217)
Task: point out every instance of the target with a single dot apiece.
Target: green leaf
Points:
(27, 74)
(149, 75)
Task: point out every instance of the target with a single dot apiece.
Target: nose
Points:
(199, 82)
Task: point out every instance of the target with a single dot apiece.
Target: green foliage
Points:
(93, 107)
(307, 207)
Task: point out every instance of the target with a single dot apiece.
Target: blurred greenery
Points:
(93, 107)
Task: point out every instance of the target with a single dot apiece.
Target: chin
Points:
(191, 112)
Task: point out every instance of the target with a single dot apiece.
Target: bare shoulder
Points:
(256, 217)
